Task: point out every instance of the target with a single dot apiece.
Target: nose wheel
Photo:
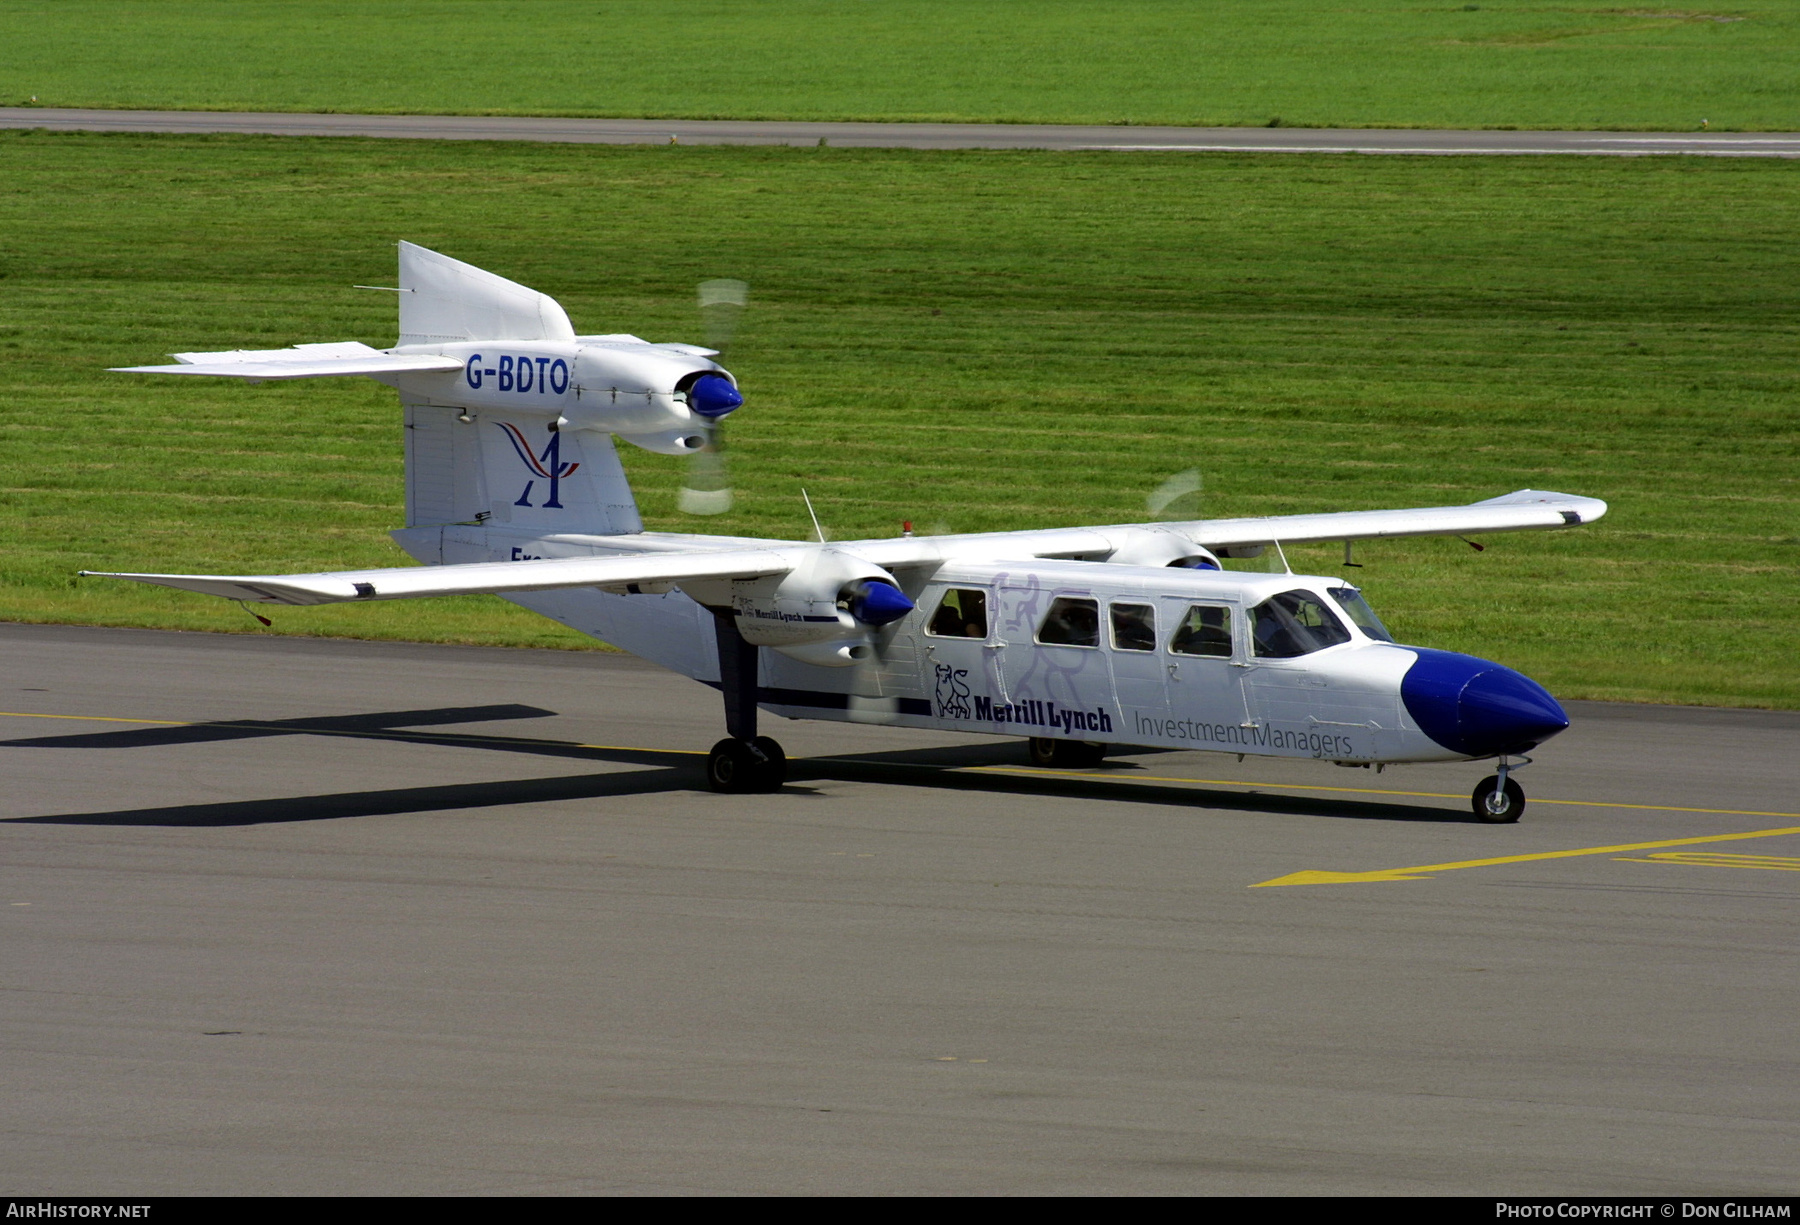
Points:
(739, 767)
(1497, 799)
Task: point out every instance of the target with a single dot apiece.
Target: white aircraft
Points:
(1076, 638)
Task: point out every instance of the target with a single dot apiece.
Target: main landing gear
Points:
(1065, 754)
(1497, 799)
(744, 761)
(738, 766)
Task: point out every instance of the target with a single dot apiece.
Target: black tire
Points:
(729, 767)
(1065, 754)
(1510, 805)
(771, 772)
(736, 768)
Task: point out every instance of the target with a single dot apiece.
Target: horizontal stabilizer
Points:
(474, 578)
(299, 362)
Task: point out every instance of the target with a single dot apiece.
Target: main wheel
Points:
(736, 769)
(1495, 806)
(772, 771)
(1065, 754)
(729, 767)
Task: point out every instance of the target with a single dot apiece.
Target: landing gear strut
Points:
(1497, 799)
(744, 761)
(1066, 754)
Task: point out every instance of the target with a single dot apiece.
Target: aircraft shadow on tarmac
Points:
(662, 770)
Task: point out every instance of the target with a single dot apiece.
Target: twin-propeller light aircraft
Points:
(1078, 639)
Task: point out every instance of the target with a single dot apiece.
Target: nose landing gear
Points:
(1497, 799)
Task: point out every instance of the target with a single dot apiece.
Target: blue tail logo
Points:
(546, 464)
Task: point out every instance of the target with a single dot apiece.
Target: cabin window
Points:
(1071, 622)
(1133, 627)
(1294, 623)
(962, 613)
(1206, 630)
(1351, 601)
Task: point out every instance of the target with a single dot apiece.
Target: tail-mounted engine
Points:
(664, 398)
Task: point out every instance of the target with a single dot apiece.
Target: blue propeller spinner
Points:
(713, 396)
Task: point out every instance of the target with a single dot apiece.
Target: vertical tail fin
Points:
(443, 300)
(513, 475)
(479, 481)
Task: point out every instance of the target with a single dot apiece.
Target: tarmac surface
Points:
(309, 916)
(911, 135)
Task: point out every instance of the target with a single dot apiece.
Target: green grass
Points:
(1375, 63)
(976, 340)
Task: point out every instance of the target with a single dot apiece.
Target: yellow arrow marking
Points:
(1346, 878)
(1704, 859)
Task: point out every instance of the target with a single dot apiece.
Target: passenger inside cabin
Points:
(1071, 622)
(962, 613)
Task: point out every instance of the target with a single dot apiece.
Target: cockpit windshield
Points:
(1351, 601)
(1294, 623)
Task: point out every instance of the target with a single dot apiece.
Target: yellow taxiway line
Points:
(31, 714)
(1309, 877)
(371, 733)
(1430, 795)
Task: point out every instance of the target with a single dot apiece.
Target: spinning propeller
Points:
(1176, 499)
(711, 396)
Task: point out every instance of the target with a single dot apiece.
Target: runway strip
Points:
(913, 135)
(287, 915)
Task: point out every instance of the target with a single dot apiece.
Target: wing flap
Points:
(473, 578)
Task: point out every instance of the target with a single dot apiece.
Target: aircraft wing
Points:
(1525, 510)
(473, 578)
(299, 362)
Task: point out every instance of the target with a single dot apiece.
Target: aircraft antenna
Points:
(815, 517)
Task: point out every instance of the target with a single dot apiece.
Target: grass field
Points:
(969, 340)
(1373, 63)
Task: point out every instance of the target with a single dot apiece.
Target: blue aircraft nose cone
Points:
(1471, 706)
(712, 396)
(879, 603)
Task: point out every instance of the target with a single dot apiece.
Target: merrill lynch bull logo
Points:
(955, 702)
(546, 464)
(952, 694)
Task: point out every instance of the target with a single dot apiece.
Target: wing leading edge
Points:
(474, 578)
(1525, 510)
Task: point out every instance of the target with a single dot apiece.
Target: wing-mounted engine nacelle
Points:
(1149, 546)
(825, 611)
(659, 397)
